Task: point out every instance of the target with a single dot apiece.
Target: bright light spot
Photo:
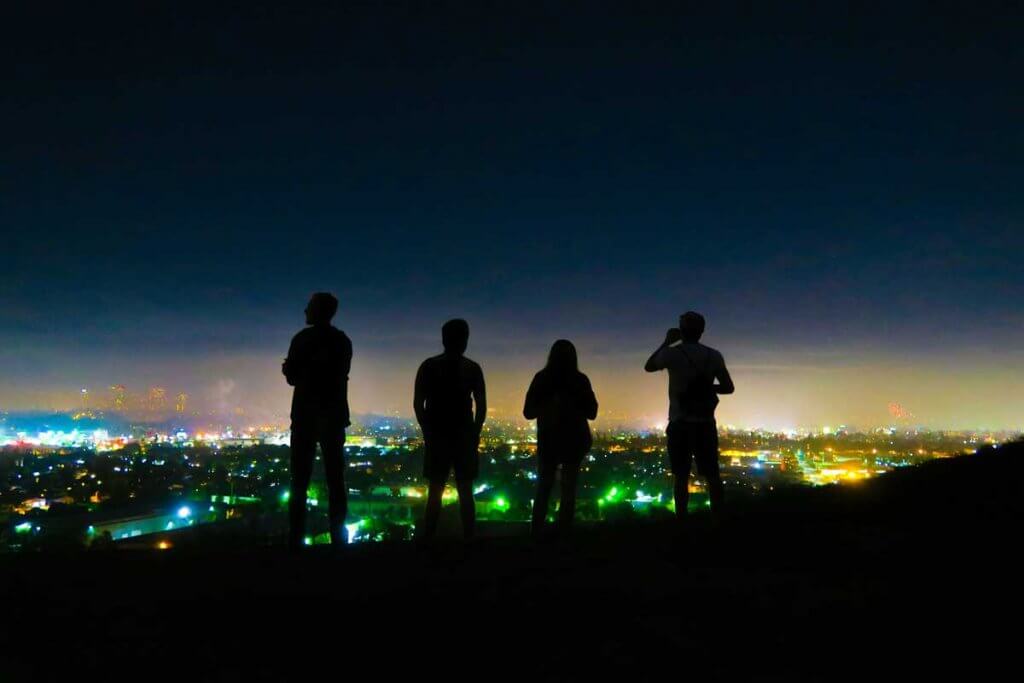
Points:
(184, 511)
(285, 496)
(163, 545)
(352, 529)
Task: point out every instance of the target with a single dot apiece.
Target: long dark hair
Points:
(562, 358)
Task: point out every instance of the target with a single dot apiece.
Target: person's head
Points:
(321, 308)
(562, 358)
(455, 336)
(691, 325)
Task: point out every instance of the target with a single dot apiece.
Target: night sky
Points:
(838, 190)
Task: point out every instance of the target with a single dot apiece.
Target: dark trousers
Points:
(545, 483)
(694, 441)
(332, 444)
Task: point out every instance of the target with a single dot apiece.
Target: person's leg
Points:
(680, 456)
(432, 512)
(708, 466)
(545, 482)
(333, 449)
(567, 508)
(467, 507)
(303, 450)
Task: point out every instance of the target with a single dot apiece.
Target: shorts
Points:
(446, 452)
(689, 441)
(318, 427)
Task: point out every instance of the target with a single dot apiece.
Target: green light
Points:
(501, 503)
(23, 528)
(285, 496)
(308, 540)
(91, 530)
(613, 494)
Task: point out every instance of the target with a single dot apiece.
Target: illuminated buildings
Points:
(157, 399)
(81, 474)
(118, 397)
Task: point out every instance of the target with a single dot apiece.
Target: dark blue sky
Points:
(838, 189)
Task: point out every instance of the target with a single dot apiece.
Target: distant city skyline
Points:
(773, 392)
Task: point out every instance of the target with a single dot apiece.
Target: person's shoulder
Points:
(430, 362)
(340, 336)
(302, 335)
(712, 350)
(540, 377)
(714, 353)
(471, 365)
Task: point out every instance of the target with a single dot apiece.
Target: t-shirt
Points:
(318, 364)
(448, 385)
(685, 363)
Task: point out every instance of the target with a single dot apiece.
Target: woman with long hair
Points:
(561, 400)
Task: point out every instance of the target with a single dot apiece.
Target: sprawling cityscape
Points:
(86, 479)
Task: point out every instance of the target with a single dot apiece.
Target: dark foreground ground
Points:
(913, 574)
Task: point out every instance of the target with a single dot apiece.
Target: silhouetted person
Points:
(317, 365)
(447, 386)
(693, 395)
(561, 400)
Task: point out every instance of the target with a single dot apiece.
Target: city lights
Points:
(220, 477)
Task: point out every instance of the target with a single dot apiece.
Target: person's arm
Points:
(419, 398)
(346, 357)
(654, 363)
(480, 399)
(725, 385)
(290, 367)
(530, 408)
(589, 400)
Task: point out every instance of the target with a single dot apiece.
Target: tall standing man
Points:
(692, 432)
(447, 387)
(317, 365)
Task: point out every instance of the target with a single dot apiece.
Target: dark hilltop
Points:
(915, 572)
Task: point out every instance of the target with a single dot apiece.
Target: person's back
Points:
(562, 404)
(447, 384)
(317, 366)
(692, 368)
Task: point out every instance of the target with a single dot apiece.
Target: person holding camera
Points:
(696, 376)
